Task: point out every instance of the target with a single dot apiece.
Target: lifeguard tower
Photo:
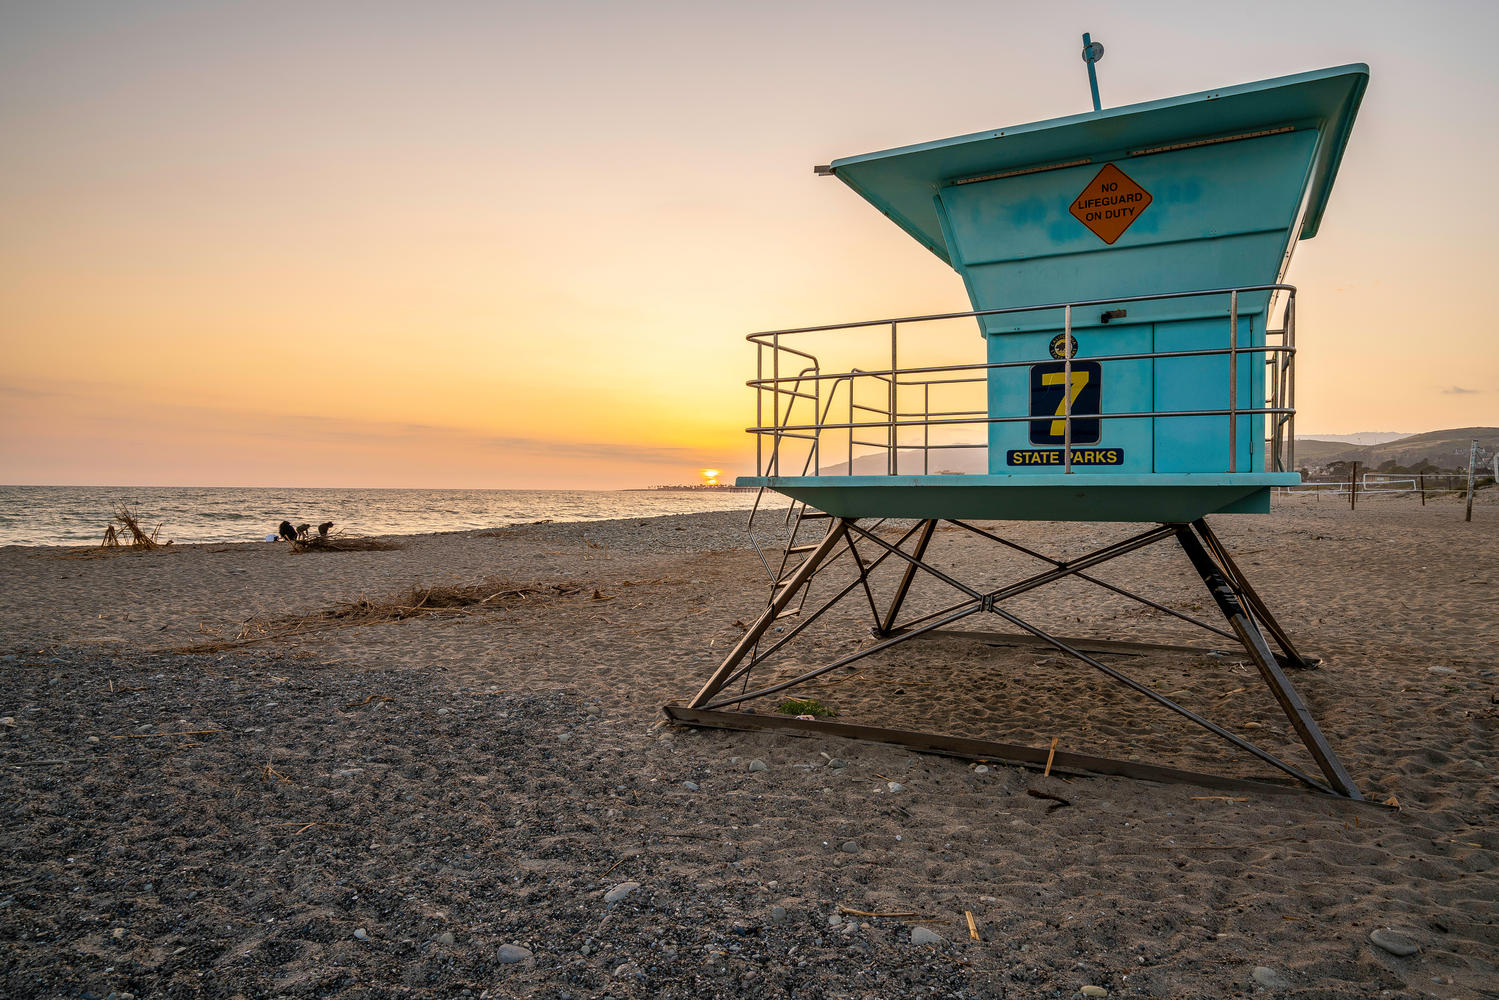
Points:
(1125, 268)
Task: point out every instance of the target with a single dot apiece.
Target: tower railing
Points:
(888, 412)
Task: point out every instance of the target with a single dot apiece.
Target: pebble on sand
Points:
(361, 933)
(620, 891)
(850, 847)
(1094, 991)
(1394, 942)
(509, 954)
(925, 935)
(1269, 978)
(446, 937)
(758, 765)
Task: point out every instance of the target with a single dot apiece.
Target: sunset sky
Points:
(518, 245)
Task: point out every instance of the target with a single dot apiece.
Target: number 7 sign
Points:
(1049, 398)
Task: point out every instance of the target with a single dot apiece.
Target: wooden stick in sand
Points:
(973, 928)
(849, 911)
(147, 736)
(1049, 755)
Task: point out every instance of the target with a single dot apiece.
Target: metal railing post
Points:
(1067, 390)
(893, 462)
(759, 408)
(1290, 392)
(817, 434)
(853, 383)
(775, 402)
(1233, 381)
(926, 428)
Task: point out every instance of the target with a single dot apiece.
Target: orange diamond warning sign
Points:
(1110, 203)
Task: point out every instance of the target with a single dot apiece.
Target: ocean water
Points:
(77, 515)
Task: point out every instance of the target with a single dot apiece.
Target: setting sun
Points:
(710, 476)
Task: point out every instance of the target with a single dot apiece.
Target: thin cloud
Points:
(1457, 390)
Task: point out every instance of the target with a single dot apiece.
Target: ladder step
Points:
(802, 548)
(816, 515)
(789, 613)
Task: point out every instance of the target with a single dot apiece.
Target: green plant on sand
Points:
(804, 706)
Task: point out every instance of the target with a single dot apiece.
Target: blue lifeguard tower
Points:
(1125, 268)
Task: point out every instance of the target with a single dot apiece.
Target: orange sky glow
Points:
(518, 245)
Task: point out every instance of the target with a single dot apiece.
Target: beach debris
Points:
(8, 722)
(1392, 941)
(1057, 802)
(129, 521)
(895, 786)
(849, 911)
(1269, 978)
(378, 699)
(418, 602)
(1049, 755)
(925, 935)
(973, 927)
(620, 891)
(509, 954)
(805, 708)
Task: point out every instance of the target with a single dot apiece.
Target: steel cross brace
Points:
(1241, 605)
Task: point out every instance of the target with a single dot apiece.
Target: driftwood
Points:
(130, 522)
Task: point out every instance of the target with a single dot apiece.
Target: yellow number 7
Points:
(1079, 379)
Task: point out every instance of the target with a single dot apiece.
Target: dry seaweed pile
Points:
(444, 600)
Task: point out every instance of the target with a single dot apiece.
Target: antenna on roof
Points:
(1092, 52)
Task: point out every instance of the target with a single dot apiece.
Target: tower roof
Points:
(903, 182)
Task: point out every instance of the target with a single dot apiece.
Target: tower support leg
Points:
(1264, 659)
(924, 539)
(1252, 599)
(781, 597)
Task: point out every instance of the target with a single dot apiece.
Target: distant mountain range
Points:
(1447, 449)
(1362, 437)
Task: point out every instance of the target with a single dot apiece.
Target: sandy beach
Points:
(237, 771)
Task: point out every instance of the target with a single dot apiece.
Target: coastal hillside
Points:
(1445, 449)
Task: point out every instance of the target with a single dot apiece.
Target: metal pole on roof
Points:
(1092, 52)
